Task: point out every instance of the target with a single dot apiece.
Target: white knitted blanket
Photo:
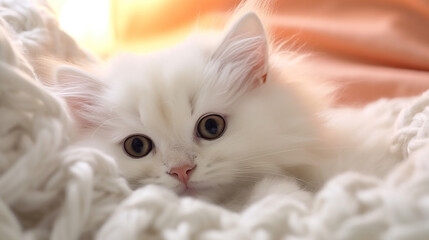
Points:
(52, 190)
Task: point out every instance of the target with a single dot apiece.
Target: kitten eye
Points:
(211, 126)
(137, 146)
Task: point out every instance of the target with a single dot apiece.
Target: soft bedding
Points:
(50, 189)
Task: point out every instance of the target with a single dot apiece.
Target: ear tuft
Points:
(247, 26)
(81, 92)
(242, 57)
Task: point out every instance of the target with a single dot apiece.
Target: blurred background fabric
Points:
(370, 48)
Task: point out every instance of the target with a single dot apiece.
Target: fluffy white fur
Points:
(277, 132)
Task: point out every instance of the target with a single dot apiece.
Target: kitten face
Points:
(202, 121)
(164, 109)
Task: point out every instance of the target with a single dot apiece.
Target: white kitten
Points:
(211, 118)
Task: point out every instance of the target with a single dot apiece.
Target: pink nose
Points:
(182, 173)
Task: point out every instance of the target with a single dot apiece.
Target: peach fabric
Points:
(372, 48)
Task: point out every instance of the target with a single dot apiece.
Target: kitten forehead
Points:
(158, 88)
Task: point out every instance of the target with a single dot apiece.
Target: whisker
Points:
(103, 124)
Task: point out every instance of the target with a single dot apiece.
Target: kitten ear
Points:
(243, 54)
(81, 92)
